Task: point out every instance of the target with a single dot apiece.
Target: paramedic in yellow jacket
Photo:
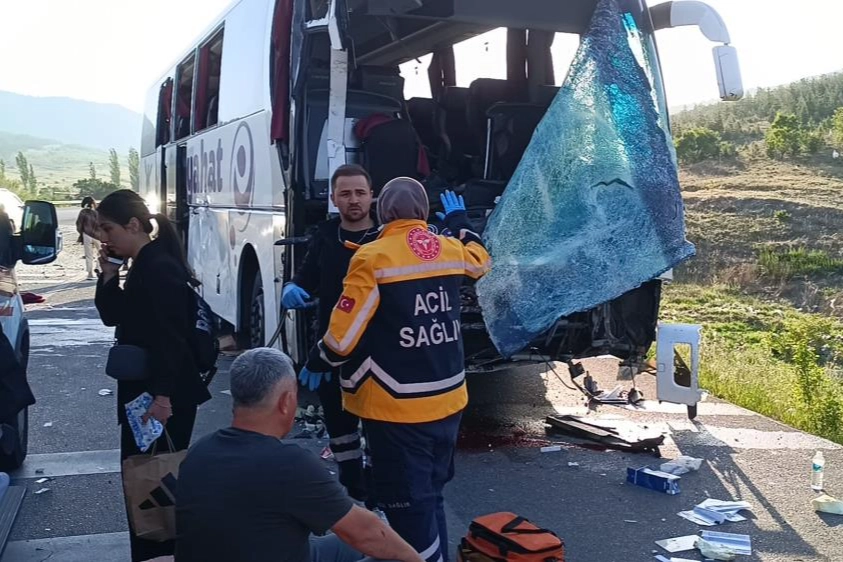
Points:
(395, 332)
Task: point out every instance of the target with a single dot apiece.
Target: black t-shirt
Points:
(248, 497)
(326, 264)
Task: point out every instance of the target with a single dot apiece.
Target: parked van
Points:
(29, 234)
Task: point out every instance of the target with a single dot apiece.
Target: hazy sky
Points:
(111, 50)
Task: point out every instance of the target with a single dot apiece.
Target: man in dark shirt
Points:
(245, 495)
(322, 274)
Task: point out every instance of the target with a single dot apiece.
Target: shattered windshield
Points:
(594, 209)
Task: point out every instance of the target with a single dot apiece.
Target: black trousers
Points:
(411, 465)
(179, 428)
(343, 429)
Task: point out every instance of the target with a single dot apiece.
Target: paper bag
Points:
(149, 484)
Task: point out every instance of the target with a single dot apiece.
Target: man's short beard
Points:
(351, 218)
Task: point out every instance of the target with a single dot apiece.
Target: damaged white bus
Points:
(242, 133)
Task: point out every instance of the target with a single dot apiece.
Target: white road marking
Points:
(69, 464)
(745, 438)
(81, 548)
(66, 332)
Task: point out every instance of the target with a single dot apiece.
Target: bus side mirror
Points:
(728, 73)
(40, 237)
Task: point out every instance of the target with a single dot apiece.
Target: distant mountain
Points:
(71, 121)
(57, 165)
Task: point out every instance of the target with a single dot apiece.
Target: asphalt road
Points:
(73, 438)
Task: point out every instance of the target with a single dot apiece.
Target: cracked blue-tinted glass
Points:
(594, 209)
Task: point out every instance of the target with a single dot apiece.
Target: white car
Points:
(28, 233)
(13, 206)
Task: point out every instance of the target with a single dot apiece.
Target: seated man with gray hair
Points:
(246, 495)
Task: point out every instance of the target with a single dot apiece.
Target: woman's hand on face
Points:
(108, 269)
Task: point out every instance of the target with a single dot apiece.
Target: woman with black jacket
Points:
(154, 310)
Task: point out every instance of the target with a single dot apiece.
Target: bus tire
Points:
(256, 315)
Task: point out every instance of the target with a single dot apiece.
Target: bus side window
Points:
(208, 85)
(184, 96)
(165, 112)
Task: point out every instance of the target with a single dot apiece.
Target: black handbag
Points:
(127, 363)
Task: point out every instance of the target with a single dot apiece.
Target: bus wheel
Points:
(257, 314)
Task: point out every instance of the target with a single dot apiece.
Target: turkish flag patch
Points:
(346, 304)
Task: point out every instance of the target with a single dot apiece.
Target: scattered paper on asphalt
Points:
(551, 449)
(48, 424)
(739, 544)
(682, 465)
(661, 558)
(42, 480)
(715, 512)
(714, 551)
(702, 518)
(105, 392)
(145, 433)
(41, 491)
(828, 504)
(679, 544)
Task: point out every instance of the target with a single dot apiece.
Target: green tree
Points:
(92, 170)
(698, 144)
(784, 137)
(812, 141)
(837, 125)
(728, 150)
(23, 168)
(33, 182)
(93, 187)
(114, 166)
(134, 169)
(2, 169)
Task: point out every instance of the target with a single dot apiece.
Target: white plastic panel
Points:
(671, 336)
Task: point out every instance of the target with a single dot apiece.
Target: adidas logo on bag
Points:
(162, 496)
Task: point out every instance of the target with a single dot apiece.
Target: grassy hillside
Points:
(767, 284)
(56, 165)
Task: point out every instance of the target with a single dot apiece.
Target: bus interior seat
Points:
(213, 109)
(422, 112)
(383, 80)
(545, 94)
(511, 127)
(314, 154)
(483, 93)
(390, 149)
(480, 198)
(454, 160)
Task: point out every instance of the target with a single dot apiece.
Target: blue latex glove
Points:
(451, 202)
(312, 380)
(293, 297)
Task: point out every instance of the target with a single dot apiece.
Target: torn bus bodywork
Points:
(346, 54)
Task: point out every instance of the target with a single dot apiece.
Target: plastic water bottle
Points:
(817, 470)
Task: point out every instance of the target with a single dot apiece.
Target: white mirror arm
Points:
(681, 13)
